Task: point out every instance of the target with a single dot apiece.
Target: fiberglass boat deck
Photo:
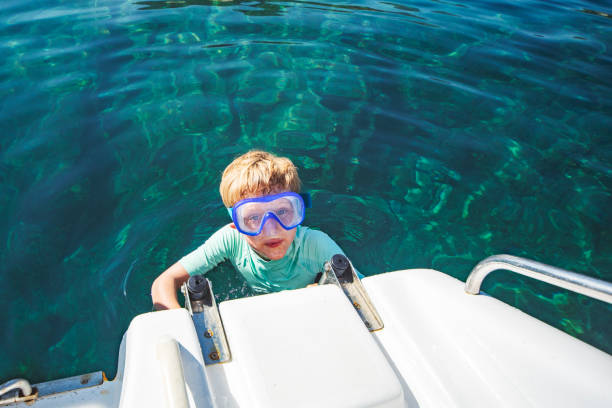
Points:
(412, 338)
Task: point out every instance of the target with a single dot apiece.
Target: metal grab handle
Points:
(573, 281)
(20, 384)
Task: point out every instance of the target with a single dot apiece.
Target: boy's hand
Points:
(163, 291)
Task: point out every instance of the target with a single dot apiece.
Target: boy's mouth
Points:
(273, 243)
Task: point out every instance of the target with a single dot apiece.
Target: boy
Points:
(265, 241)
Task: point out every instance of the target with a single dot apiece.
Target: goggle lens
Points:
(250, 215)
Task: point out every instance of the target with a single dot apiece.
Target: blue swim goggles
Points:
(250, 215)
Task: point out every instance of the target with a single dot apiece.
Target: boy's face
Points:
(273, 241)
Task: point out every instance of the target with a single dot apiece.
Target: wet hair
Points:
(257, 173)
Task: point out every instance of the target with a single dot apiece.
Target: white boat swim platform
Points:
(305, 348)
(439, 347)
(460, 350)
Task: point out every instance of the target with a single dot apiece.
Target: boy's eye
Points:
(252, 219)
(284, 213)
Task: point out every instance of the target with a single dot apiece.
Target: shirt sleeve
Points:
(219, 247)
(326, 247)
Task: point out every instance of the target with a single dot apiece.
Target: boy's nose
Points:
(270, 226)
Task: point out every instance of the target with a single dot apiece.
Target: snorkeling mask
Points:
(250, 215)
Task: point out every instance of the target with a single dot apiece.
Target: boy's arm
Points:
(165, 286)
(221, 245)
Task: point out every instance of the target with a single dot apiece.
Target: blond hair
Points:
(257, 173)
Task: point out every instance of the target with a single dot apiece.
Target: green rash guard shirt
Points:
(304, 259)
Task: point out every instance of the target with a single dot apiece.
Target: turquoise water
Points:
(430, 133)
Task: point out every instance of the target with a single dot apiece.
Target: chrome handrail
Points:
(573, 281)
(18, 384)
